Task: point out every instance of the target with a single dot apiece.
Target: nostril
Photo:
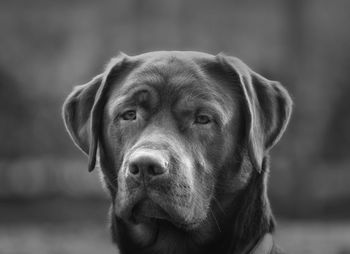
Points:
(155, 170)
(134, 169)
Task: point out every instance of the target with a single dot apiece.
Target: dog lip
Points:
(147, 209)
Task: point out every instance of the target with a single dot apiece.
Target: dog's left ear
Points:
(268, 108)
(82, 110)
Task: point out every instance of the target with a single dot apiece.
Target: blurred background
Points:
(48, 201)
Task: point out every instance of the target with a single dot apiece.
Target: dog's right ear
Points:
(82, 110)
(77, 110)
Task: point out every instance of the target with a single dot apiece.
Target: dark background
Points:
(48, 201)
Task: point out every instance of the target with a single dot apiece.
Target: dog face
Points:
(168, 128)
(173, 130)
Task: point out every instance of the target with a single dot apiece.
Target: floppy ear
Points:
(268, 107)
(82, 110)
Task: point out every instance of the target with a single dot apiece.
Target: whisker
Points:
(219, 205)
(216, 222)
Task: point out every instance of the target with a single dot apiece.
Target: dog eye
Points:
(202, 119)
(129, 115)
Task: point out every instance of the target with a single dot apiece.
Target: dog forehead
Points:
(169, 68)
(171, 72)
(181, 65)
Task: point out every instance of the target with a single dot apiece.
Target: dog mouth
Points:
(147, 210)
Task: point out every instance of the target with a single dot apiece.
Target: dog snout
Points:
(147, 164)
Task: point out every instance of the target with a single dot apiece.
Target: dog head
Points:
(176, 133)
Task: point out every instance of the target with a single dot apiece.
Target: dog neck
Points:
(242, 232)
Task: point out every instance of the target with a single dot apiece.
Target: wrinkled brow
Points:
(211, 103)
(130, 95)
(186, 88)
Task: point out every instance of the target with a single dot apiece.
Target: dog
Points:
(182, 140)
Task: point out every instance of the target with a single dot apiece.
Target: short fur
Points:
(211, 194)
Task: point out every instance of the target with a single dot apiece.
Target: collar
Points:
(264, 246)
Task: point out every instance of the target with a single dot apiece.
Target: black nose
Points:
(147, 165)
